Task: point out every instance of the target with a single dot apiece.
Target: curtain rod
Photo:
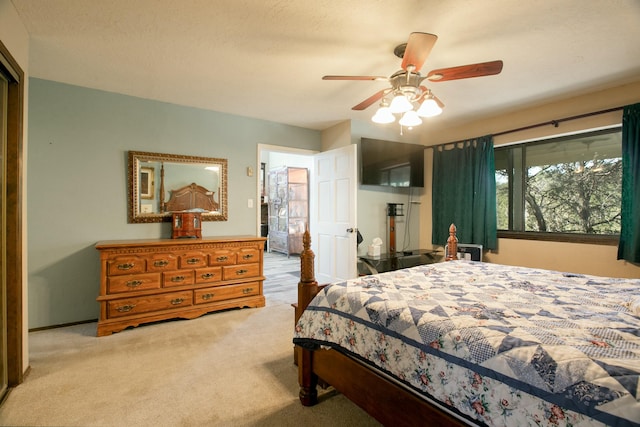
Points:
(554, 123)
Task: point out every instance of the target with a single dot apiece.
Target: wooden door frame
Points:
(14, 200)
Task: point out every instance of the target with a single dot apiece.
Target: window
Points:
(568, 186)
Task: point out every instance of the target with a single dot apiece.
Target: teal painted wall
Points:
(77, 182)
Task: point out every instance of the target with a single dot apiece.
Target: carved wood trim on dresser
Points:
(145, 281)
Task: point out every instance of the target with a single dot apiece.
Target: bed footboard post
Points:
(306, 378)
(452, 244)
(307, 289)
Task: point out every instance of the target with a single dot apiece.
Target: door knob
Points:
(351, 230)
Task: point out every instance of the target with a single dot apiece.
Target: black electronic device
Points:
(392, 164)
(469, 252)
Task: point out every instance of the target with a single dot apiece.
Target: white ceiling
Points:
(265, 58)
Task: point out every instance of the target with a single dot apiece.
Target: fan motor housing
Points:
(408, 83)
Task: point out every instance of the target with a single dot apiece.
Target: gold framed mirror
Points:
(160, 184)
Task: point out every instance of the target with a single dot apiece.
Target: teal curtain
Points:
(464, 192)
(629, 246)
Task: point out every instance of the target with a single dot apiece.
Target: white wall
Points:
(277, 160)
(374, 222)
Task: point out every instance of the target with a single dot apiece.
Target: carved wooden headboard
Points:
(192, 196)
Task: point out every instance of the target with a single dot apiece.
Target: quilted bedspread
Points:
(501, 345)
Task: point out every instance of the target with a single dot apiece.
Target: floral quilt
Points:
(499, 345)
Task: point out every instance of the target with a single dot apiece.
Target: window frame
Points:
(597, 239)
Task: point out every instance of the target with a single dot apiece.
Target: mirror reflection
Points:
(160, 184)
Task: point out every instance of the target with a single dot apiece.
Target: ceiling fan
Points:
(406, 84)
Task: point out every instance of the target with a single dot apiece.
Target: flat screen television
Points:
(392, 164)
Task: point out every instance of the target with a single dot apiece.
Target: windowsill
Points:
(561, 237)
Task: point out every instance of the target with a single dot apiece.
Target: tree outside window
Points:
(564, 185)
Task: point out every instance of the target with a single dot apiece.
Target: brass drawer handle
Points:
(125, 308)
(127, 266)
(134, 283)
(177, 301)
(247, 290)
(161, 263)
(207, 297)
(222, 258)
(239, 272)
(193, 260)
(177, 278)
(247, 256)
(208, 275)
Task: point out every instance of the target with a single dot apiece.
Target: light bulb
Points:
(383, 116)
(400, 104)
(429, 108)
(410, 118)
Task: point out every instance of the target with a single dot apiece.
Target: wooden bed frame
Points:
(382, 398)
(192, 196)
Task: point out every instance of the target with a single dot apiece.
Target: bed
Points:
(192, 197)
(472, 343)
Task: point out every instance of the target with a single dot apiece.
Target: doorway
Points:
(272, 157)
(335, 171)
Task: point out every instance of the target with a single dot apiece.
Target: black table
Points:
(401, 259)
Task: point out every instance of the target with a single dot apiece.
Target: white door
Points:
(333, 214)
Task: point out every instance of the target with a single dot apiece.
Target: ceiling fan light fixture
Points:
(405, 84)
(383, 116)
(400, 104)
(410, 119)
(429, 108)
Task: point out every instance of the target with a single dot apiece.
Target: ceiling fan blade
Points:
(465, 71)
(418, 48)
(354, 78)
(372, 99)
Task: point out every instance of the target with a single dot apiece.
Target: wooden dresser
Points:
(149, 280)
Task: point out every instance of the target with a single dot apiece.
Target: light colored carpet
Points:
(231, 368)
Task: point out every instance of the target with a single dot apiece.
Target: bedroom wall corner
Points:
(336, 136)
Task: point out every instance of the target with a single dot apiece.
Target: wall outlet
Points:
(250, 203)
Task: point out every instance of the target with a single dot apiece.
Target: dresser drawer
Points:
(240, 271)
(207, 275)
(222, 257)
(177, 278)
(248, 255)
(126, 264)
(162, 262)
(130, 306)
(193, 260)
(133, 282)
(220, 293)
